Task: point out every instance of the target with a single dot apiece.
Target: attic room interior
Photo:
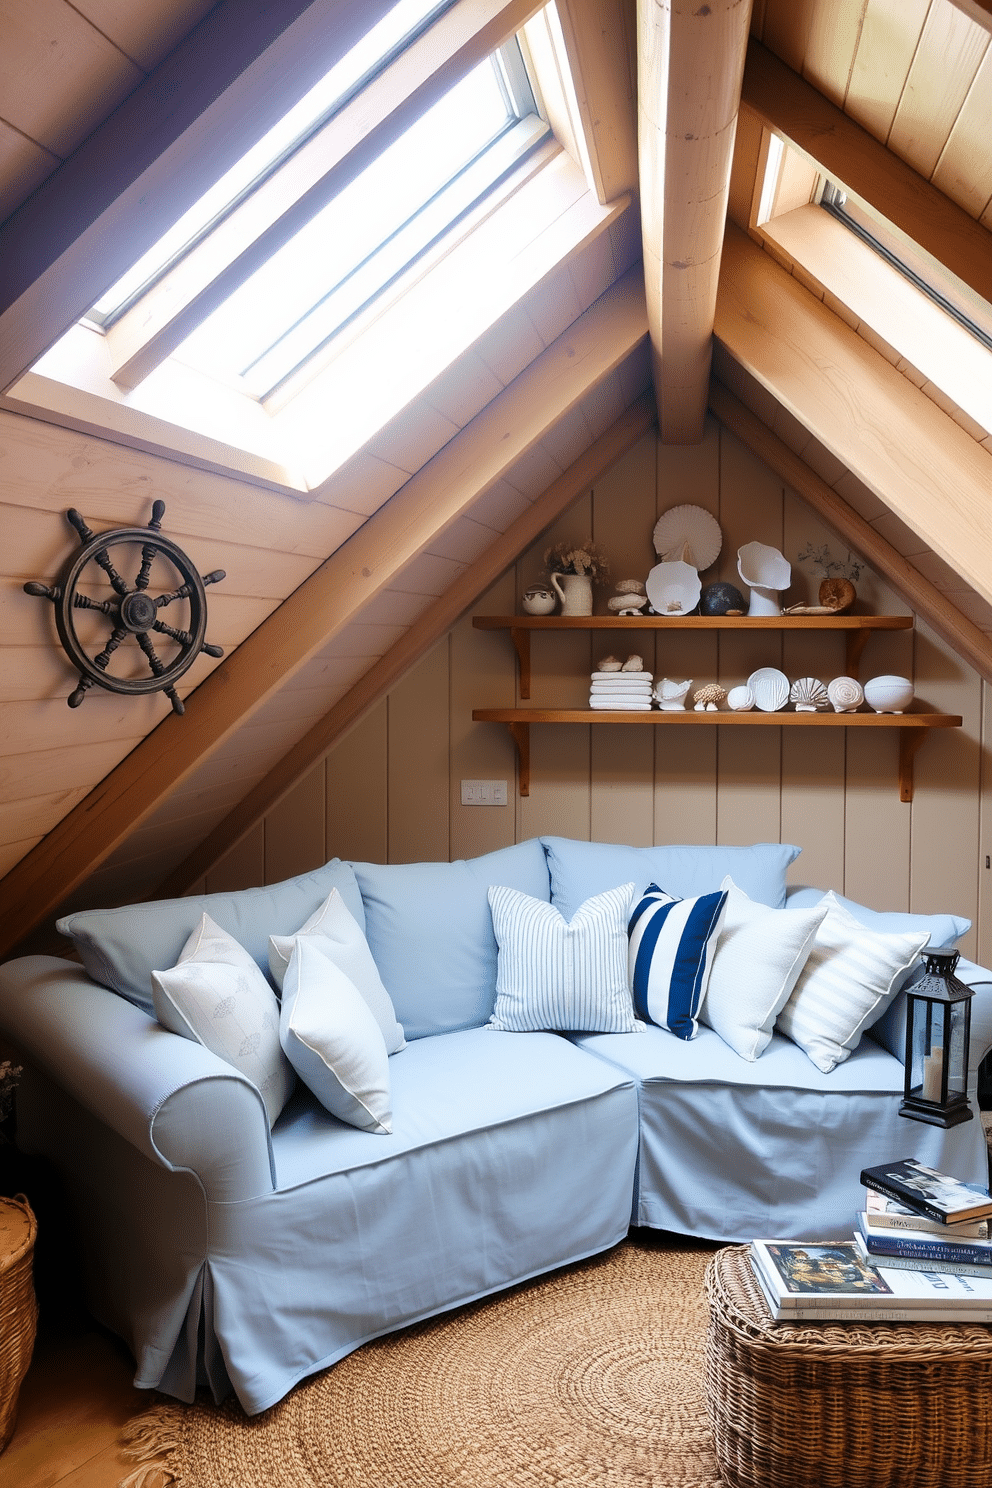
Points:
(370, 307)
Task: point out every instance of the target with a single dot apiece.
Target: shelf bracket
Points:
(521, 737)
(910, 740)
(521, 640)
(856, 642)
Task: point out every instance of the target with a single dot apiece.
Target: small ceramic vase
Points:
(575, 591)
(767, 573)
(670, 696)
(888, 694)
(539, 600)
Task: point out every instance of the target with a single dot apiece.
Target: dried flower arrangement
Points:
(9, 1075)
(831, 567)
(586, 558)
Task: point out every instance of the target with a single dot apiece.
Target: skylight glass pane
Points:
(313, 108)
(377, 211)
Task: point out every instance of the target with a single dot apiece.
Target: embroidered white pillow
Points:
(672, 944)
(557, 974)
(333, 1041)
(337, 935)
(850, 978)
(759, 956)
(217, 996)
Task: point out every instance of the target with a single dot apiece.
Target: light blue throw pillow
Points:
(431, 933)
(564, 977)
(580, 869)
(672, 946)
(943, 929)
(120, 948)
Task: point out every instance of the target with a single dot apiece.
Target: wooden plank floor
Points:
(75, 1398)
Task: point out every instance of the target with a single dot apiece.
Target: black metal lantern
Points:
(938, 1032)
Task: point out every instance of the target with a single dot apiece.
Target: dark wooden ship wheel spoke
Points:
(133, 611)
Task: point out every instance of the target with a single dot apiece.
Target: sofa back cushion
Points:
(430, 931)
(120, 948)
(581, 869)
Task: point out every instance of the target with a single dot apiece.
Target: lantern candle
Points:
(933, 1069)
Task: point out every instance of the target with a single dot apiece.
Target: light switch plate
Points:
(483, 792)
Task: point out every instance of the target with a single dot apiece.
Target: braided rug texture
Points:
(589, 1378)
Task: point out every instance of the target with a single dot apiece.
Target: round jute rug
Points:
(589, 1378)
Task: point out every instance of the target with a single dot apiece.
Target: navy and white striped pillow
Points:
(558, 974)
(672, 943)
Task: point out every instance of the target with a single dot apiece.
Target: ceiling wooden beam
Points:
(419, 638)
(433, 498)
(690, 66)
(972, 644)
(914, 457)
(788, 105)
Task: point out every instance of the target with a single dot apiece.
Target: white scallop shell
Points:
(670, 696)
(770, 688)
(846, 694)
(689, 533)
(673, 588)
(888, 694)
(809, 695)
(741, 699)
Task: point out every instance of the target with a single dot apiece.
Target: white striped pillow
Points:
(672, 946)
(850, 978)
(558, 974)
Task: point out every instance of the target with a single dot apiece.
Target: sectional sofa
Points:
(445, 1132)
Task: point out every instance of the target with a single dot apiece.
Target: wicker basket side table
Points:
(18, 1308)
(842, 1405)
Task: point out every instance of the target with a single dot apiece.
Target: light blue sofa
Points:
(232, 1256)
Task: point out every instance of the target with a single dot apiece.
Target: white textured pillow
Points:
(849, 980)
(759, 957)
(333, 1041)
(670, 956)
(217, 996)
(337, 935)
(558, 974)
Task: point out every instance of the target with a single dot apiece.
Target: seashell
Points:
(888, 694)
(837, 595)
(770, 688)
(708, 697)
(722, 599)
(846, 694)
(633, 663)
(670, 696)
(688, 534)
(629, 586)
(626, 604)
(809, 695)
(741, 699)
(673, 588)
(609, 664)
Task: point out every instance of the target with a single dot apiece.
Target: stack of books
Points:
(628, 692)
(922, 1253)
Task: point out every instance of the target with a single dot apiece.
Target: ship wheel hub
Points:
(138, 612)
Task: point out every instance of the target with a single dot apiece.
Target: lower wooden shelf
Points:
(913, 727)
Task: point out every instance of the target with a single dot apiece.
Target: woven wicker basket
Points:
(841, 1405)
(18, 1308)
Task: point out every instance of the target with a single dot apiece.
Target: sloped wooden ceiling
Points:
(348, 589)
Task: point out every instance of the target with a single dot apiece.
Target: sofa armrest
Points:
(172, 1099)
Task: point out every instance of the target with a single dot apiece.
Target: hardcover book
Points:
(830, 1274)
(946, 1246)
(884, 1213)
(840, 1313)
(928, 1191)
(954, 1267)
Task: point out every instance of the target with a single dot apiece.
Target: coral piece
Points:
(707, 699)
(627, 603)
(629, 586)
(609, 664)
(633, 664)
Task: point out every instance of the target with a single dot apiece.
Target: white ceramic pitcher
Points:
(575, 591)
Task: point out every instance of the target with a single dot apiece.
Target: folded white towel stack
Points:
(624, 692)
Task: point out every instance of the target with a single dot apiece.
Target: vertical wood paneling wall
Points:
(391, 790)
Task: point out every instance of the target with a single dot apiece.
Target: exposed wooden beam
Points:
(907, 450)
(980, 11)
(690, 66)
(509, 426)
(424, 632)
(967, 640)
(787, 104)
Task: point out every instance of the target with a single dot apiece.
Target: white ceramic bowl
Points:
(673, 588)
(888, 694)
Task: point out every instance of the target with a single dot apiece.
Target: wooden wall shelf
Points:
(913, 727)
(857, 629)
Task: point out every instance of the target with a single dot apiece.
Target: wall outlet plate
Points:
(484, 793)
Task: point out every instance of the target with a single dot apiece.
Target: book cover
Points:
(831, 1273)
(884, 1213)
(841, 1313)
(922, 1263)
(925, 1244)
(928, 1191)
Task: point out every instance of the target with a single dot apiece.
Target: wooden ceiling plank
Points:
(950, 52)
(690, 64)
(929, 472)
(597, 34)
(889, 37)
(849, 154)
(421, 635)
(917, 590)
(360, 569)
(964, 170)
(831, 46)
(147, 32)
